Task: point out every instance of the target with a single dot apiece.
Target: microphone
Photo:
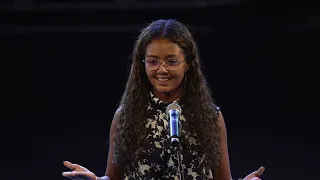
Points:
(174, 111)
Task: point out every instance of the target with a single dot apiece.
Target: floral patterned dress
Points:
(157, 161)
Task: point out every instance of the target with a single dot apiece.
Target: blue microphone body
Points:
(174, 112)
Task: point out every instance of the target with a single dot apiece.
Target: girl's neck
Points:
(169, 96)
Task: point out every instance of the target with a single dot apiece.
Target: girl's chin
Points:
(163, 89)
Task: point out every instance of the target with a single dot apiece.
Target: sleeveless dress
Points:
(157, 160)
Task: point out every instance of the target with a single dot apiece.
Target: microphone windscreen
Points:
(173, 105)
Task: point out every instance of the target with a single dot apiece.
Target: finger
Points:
(256, 178)
(75, 173)
(70, 165)
(260, 171)
(68, 175)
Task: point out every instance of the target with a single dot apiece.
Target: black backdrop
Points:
(69, 68)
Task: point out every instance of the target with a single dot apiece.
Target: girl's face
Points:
(165, 67)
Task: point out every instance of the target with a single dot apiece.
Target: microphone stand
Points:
(178, 149)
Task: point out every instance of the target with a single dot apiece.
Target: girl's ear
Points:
(187, 68)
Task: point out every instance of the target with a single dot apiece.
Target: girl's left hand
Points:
(255, 175)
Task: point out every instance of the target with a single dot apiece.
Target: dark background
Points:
(68, 65)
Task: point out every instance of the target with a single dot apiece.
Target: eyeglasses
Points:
(153, 63)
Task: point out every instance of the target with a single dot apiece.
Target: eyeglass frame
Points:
(164, 63)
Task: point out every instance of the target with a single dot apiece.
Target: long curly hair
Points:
(131, 131)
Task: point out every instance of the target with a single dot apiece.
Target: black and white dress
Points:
(156, 161)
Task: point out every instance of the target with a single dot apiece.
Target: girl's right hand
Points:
(78, 172)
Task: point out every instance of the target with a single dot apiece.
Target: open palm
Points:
(255, 175)
(78, 172)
